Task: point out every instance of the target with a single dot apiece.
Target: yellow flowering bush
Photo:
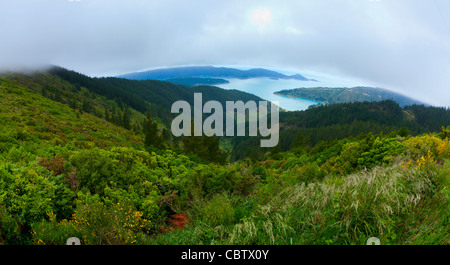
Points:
(94, 224)
(114, 224)
(443, 149)
(425, 161)
(416, 147)
(52, 232)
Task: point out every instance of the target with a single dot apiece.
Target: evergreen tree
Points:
(403, 132)
(107, 115)
(301, 141)
(167, 135)
(118, 119)
(446, 131)
(72, 103)
(207, 148)
(152, 137)
(57, 96)
(87, 106)
(44, 91)
(126, 119)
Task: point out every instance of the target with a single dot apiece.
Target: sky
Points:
(401, 45)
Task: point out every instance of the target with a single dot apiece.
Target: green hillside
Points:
(158, 96)
(308, 128)
(29, 116)
(82, 157)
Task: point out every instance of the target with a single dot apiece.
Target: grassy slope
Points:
(28, 116)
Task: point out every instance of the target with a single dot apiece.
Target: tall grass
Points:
(398, 205)
(394, 204)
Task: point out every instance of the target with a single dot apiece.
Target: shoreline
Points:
(290, 96)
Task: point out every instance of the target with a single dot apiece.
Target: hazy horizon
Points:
(402, 46)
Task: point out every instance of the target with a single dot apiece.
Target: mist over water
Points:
(265, 88)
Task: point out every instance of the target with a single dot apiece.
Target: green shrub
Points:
(26, 194)
(207, 180)
(9, 228)
(52, 232)
(102, 224)
(218, 211)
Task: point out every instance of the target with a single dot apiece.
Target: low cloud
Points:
(402, 45)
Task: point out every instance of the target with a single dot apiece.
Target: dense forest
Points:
(94, 158)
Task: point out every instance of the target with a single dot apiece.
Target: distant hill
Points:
(197, 81)
(329, 95)
(208, 72)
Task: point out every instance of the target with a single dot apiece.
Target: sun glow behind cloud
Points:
(261, 18)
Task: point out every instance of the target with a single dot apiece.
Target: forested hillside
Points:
(333, 95)
(157, 96)
(339, 121)
(93, 158)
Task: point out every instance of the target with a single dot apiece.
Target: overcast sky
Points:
(402, 45)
